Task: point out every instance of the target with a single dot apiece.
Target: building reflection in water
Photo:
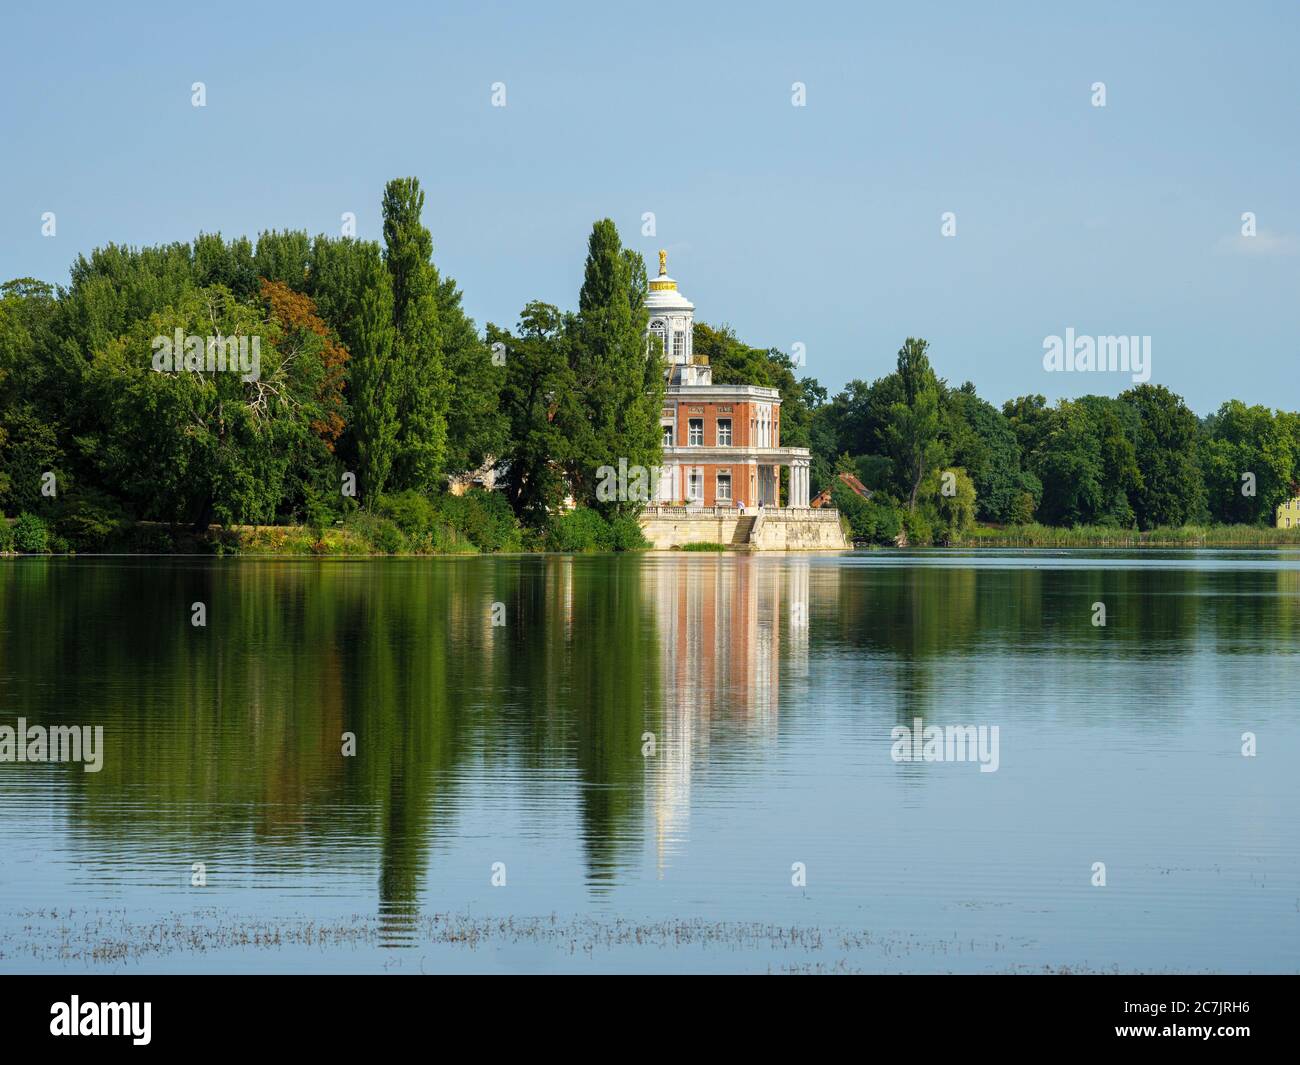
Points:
(728, 630)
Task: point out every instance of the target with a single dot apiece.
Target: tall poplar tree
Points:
(620, 389)
(419, 372)
(374, 380)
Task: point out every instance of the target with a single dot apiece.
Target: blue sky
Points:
(818, 225)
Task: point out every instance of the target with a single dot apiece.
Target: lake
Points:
(667, 762)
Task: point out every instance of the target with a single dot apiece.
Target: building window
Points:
(668, 436)
(696, 430)
(724, 432)
(724, 488)
(679, 346)
(659, 330)
(695, 487)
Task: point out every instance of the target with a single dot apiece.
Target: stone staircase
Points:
(744, 527)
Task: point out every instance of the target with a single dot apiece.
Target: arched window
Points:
(659, 329)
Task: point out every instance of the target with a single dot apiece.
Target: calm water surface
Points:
(770, 686)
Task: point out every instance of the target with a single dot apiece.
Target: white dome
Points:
(662, 294)
(661, 297)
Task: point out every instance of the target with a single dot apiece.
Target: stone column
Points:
(798, 484)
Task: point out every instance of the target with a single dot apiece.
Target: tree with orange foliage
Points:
(306, 335)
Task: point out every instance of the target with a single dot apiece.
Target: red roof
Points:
(824, 496)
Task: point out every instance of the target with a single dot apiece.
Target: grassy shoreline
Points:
(348, 541)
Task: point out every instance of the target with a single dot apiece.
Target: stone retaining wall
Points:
(803, 529)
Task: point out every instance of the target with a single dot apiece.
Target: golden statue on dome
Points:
(663, 263)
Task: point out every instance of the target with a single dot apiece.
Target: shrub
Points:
(579, 530)
(155, 539)
(917, 527)
(6, 535)
(885, 522)
(222, 541)
(704, 545)
(415, 516)
(478, 519)
(318, 514)
(380, 533)
(30, 535)
(484, 518)
(532, 539)
(92, 521)
(1022, 509)
(876, 519)
(851, 505)
(626, 534)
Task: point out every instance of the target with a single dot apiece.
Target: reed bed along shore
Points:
(1102, 536)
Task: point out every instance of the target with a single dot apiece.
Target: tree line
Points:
(373, 391)
(941, 457)
(373, 388)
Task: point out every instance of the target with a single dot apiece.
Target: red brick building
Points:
(722, 443)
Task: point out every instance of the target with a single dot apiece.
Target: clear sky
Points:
(817, 225)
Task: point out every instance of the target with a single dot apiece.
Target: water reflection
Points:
(727, 628)
(511, 692)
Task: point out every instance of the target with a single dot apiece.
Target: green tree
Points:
(201, 444)
(912, 430)
(419, 372)
(614, 413)
(1248, 457)
(981, 441)
(861, 415)
(1172, 491)
(228, 264)
(1031, 420)
(33, 395)
(375, 384)
(1116, 429)
(1070, 469)
(538, 378)
(286, 256)
(476, 424)
(1078, 460)
(948, 495)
